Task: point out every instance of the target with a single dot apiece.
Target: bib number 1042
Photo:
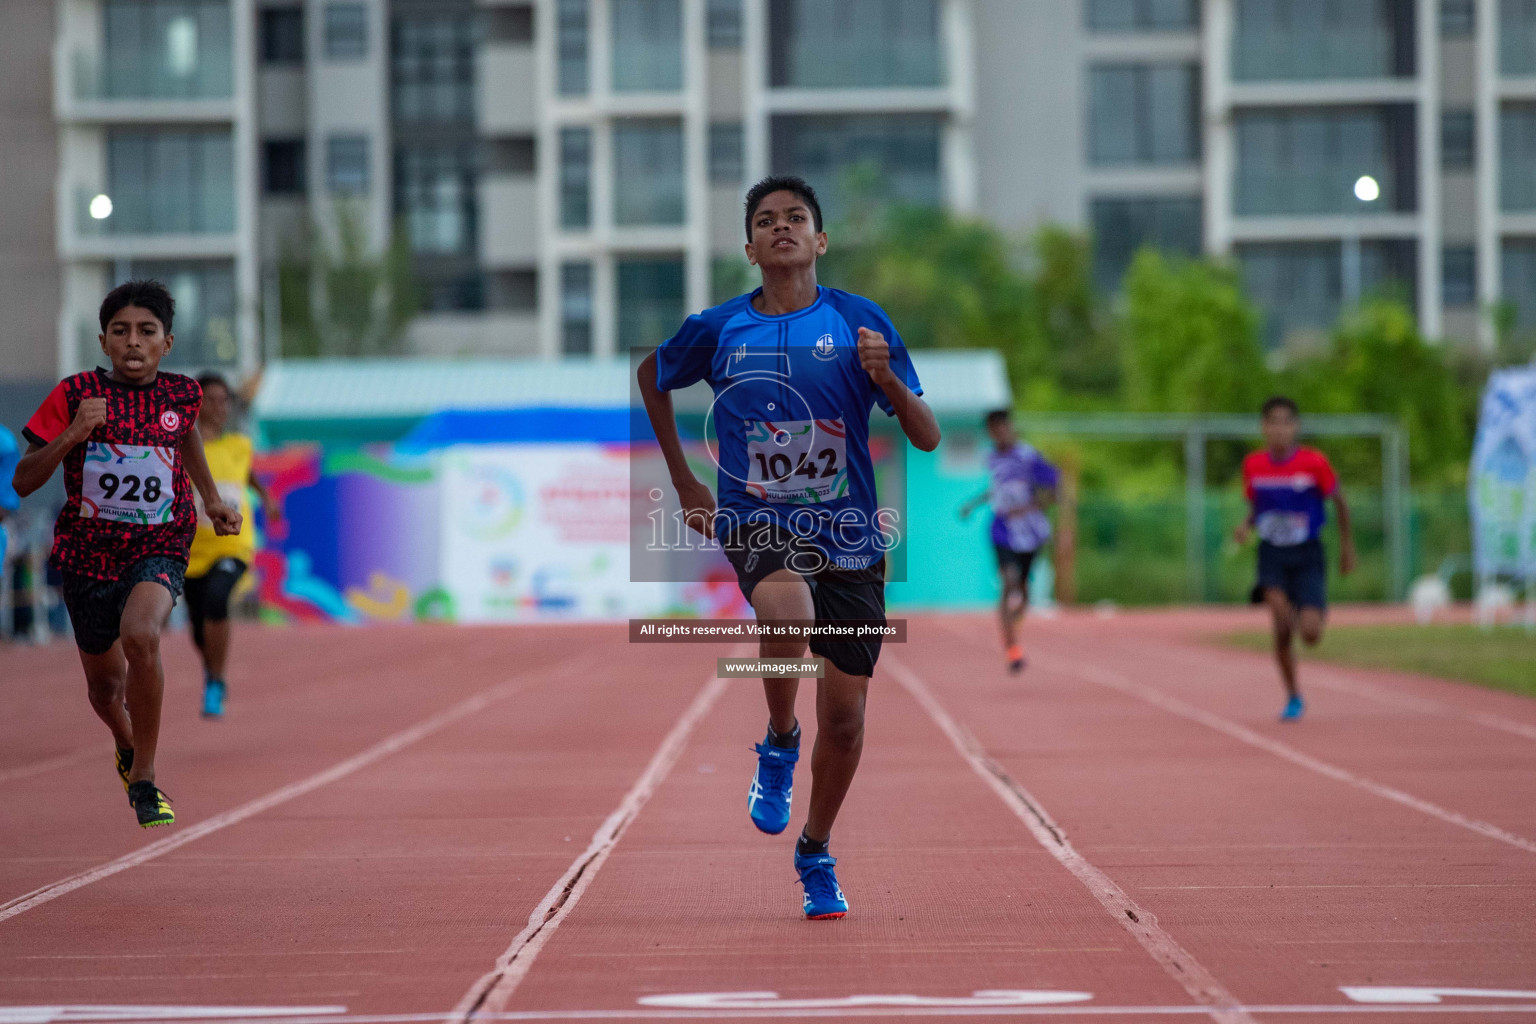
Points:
(802, 462)
(128, 483)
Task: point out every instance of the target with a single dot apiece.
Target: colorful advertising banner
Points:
(1502, 485)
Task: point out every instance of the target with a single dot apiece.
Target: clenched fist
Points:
(91, 414)
(875, 356)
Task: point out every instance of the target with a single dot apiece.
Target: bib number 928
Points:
(128, 483)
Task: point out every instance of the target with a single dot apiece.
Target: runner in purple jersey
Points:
(1023, 486)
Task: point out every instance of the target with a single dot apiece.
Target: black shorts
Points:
(96, 606)
(1300, 570)
(757, 550)
(1020, 560)
(208, 594)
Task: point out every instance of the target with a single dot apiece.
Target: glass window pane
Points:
(726, 161)
(650, 300)
(283, 167)
(575, 177)
(1517, 156)
(1142, 15)
(571, 44)
(890, 156)
(647, 45)
(1307, 161)
(346, 30)
(1123, 226)
(169, 181)
(282, 35)
(1144, 114)
(1298, 286)
(1458, 18)
(204, 291)
(1457, 139)
(724, 23)
(432, 66)
(854, 43)
(1311, 39)
(1517, 37)
(1458, 276)
(346, 164)
(648, 185)
(163, 49)
(1517, 273)
(576, 309)
(435, 197)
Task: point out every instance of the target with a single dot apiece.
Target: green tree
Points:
(1070, 316)
(340, 296)
(1191, 341)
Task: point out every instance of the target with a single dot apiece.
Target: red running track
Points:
(549, 824)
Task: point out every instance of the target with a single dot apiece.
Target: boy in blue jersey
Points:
(1022, 487)
(796, 369)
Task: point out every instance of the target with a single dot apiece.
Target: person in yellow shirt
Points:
(217, 563)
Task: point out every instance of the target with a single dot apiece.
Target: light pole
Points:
(1366, 191)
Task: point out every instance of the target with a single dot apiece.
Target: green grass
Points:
(1503, 658)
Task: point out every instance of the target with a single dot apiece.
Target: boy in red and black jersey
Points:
(131, 458)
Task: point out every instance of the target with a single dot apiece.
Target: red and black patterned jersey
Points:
(129, 496)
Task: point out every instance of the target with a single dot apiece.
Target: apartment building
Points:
(569, 172)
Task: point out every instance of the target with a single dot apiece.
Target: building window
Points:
(513, 291)
(821, 44)
(575, 177)
(571, 45)
(432, 65)
(1458, 275)
(893, 157)
(1307, 161)
(723, 24)
(651, 301)
(648, 185)
(515, 154)
(1298, 286)
(170, 181)
(576, 309)
(510, 25)
(346, 164)
(158, 49)
(647, 45)
(1457, 140)
(435, 197)
(1312, 39)
(205, 309)
(1458, 18)
(1517, 37)
(1142, 15)
(1144, 114)
(1517, 156)
(727, 163)
(346, 30)
(282, 167)
(1122, 226)
(282, 35)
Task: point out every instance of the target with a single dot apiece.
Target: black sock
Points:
(808, 847)
(787, 741)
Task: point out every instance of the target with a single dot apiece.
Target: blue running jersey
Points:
(791, 413)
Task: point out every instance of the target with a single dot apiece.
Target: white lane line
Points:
(26, 771)
(1201, 985)
(399, 741)
(1124, 684)
(1091, 1012)
(488, 996)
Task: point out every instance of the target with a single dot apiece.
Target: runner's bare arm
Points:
(696, 499)
(917, 420)
(1346, 534)
(38, 464)
(262, 495)
(226, 521)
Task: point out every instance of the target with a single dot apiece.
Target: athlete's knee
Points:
(141, 639)
(1311, 630)
(842, 729)
(106, 691)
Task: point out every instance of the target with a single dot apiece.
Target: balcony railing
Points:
(208, 209)
(209, 75)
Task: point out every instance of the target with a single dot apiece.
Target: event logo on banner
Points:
(539, 532)
(1502, 487)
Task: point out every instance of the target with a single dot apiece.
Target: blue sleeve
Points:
(860, 312)
(686, 357)
(9, 456)
(1045, 474)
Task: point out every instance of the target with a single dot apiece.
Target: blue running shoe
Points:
(772, 787)
(1293, 709)
(823, 897)
(213, 698)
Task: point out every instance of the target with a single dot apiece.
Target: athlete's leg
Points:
(1283, 616)
(1011, 606)
(1309, 623)
(779, 596)
(840, 700)
(106, 682)
(195, 590)
(149, 605)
